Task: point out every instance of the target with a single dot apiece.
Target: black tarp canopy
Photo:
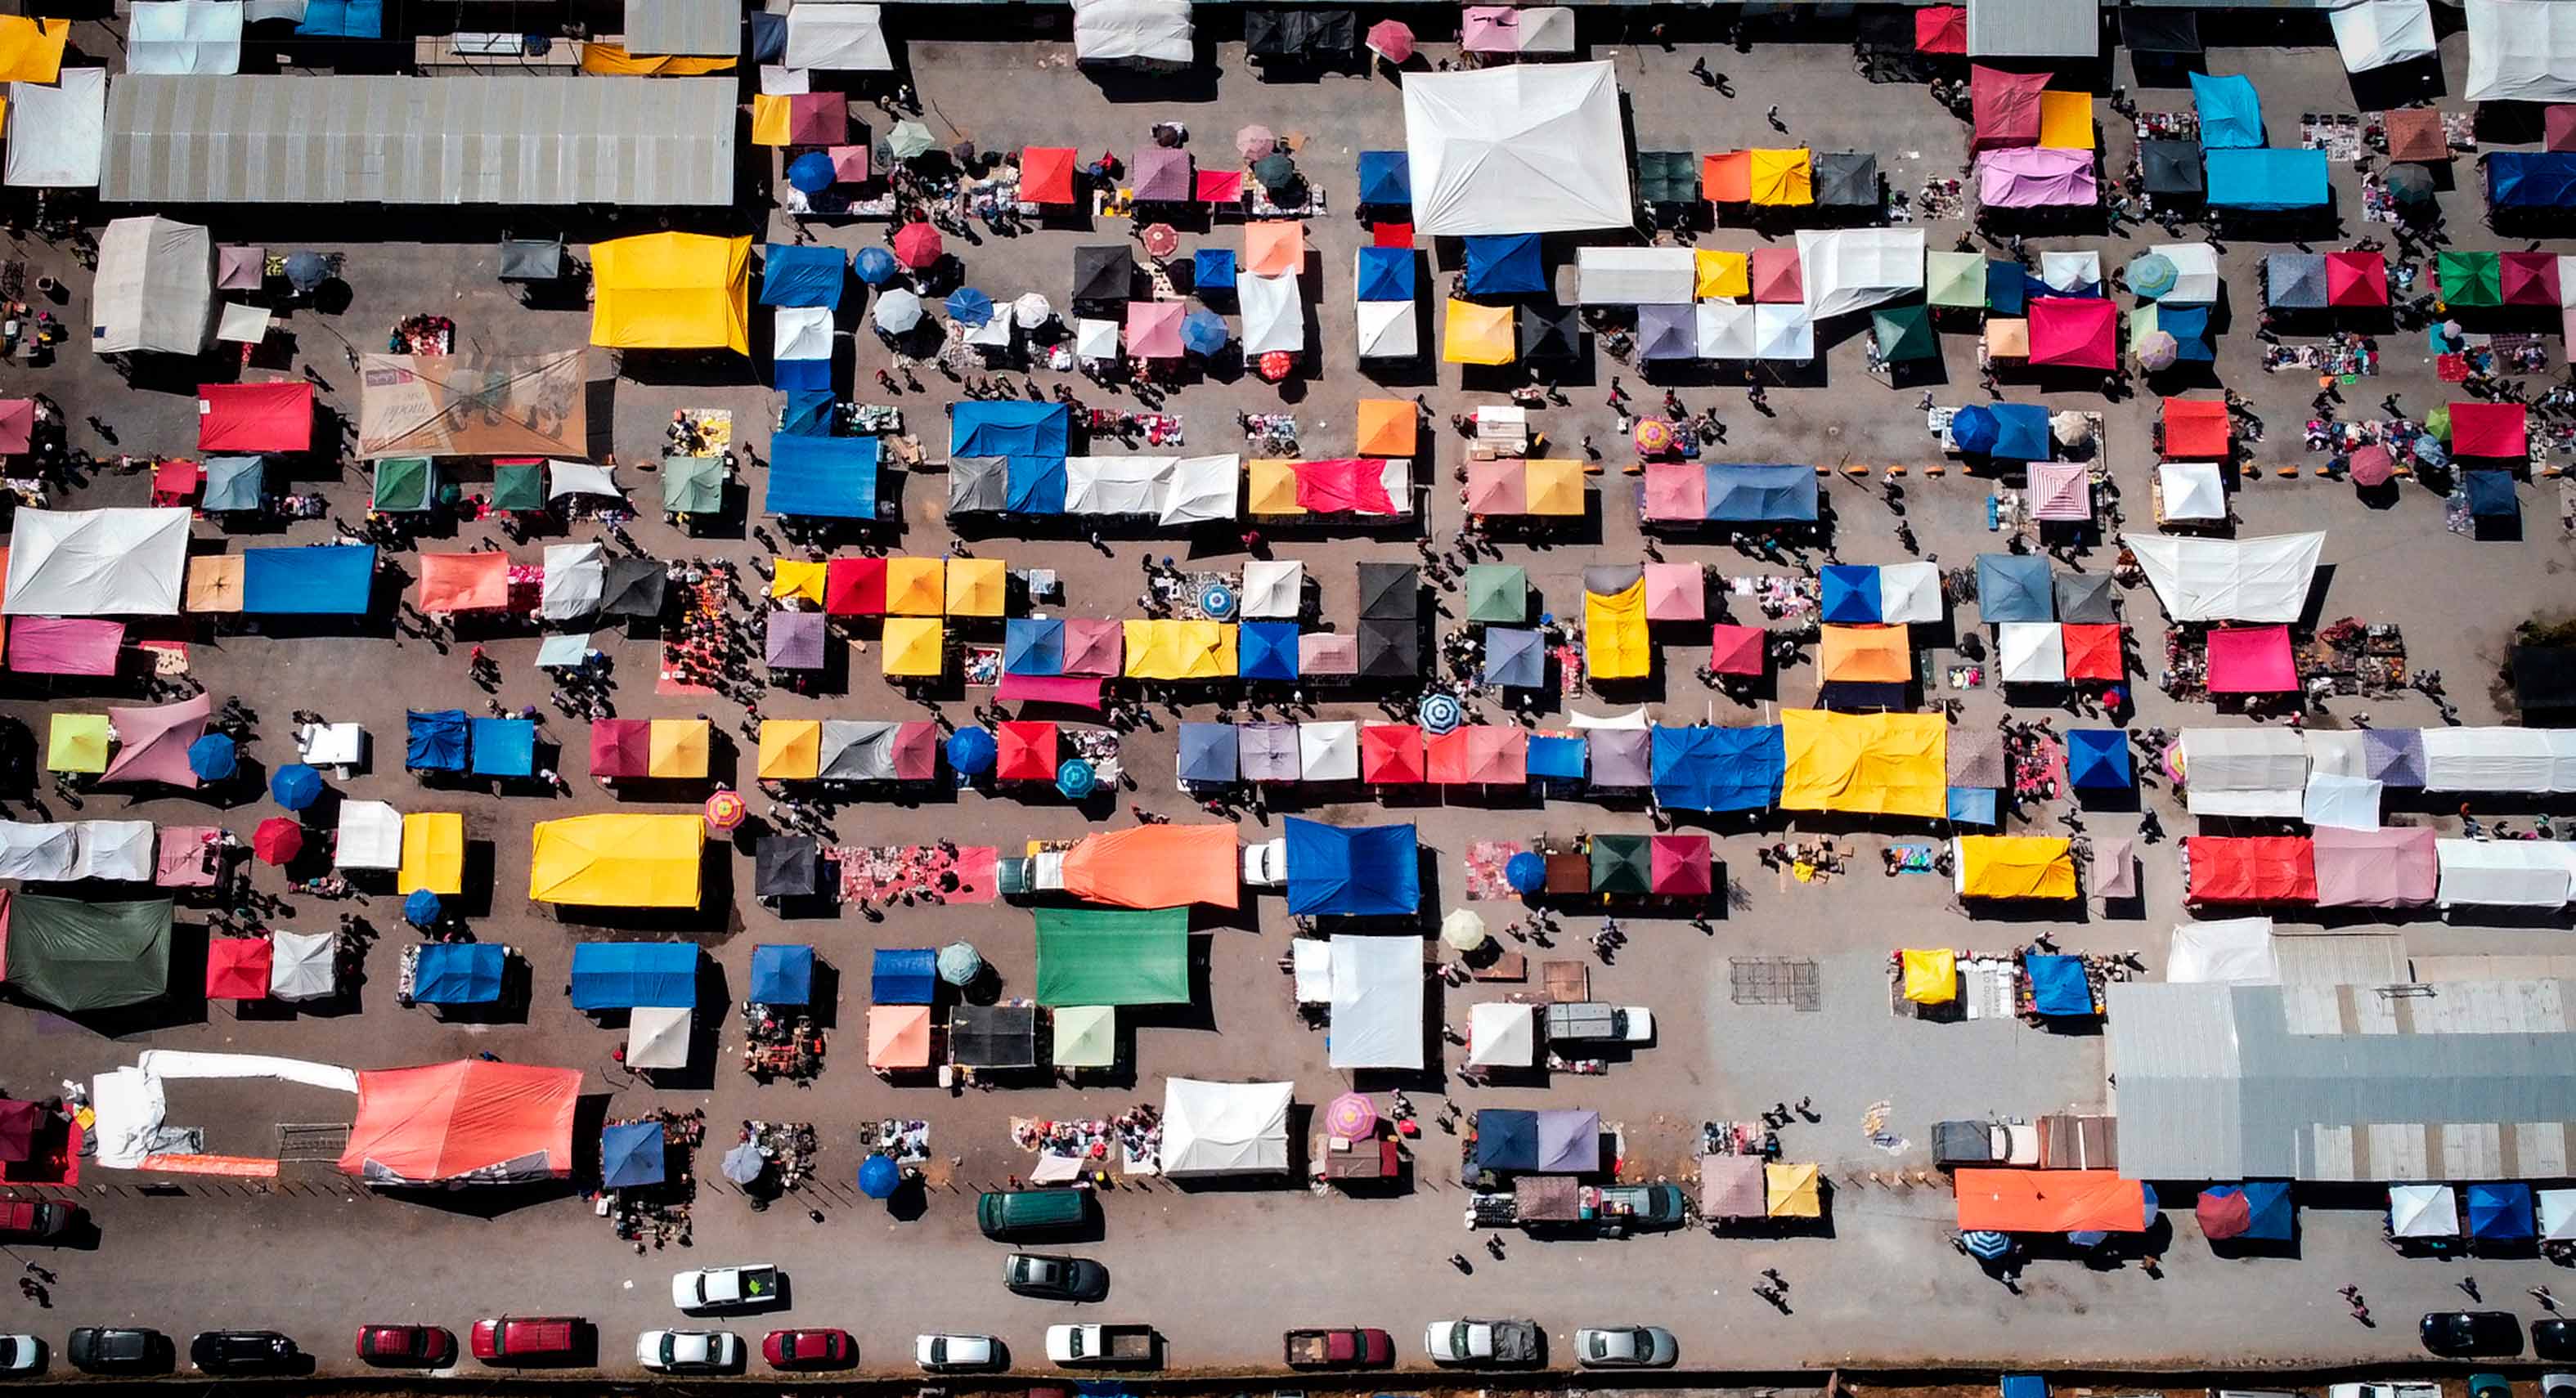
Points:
(2170, 167)
(531, 259)
(1846, 179)
(1551, 332)
(2544, 681)
(1390, 592)
(993, 1036)
(1103, 272)
(634, 587)
(1390, 650)
(783, 866)
(1299, 33)
(2160, 30)
(1667, 176)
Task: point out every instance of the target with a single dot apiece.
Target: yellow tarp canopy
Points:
(1272, 487)
(976, 586)
(1477, 334)
(433, 853)
(617, 861)
(1614, 634)
(1179, 650)
(1931, 977)
(672, 291)
(1784, 176)
(916, 587)
(771, 115)
(31, 51)
(1881, 764)
(612, 60)
(1867, 655)
(1553, 487)
(791, 749)
(914, 645)
(676, 747)
(1728, 274)
(1791, 1191)
(77, 743)
(795, 577)
(215, 582)
(2015, 866)
(2066, 120)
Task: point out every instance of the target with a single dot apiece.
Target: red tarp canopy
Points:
(621, 747)
(1736, 650)
(20, 1124)
(1391, 752)
(1941, 29)
(2388, 868)
(854, 587)
(1678, 865)
(1343, 486)
(2250, 869)
(237, 968)
(2251, 660)
(464, 582)
(2074, 332)
(1478, 755)
(2529, 278)
(2050, 1201)
(2356, 279)
(2558, 127)
(2093, 652)
(2196, 428)
(2005, 106)
(1778, 278)
(2488, 429)
(255, 416)
(1024, 751)
(17, 425)
(1046, 174)
(476, 1122)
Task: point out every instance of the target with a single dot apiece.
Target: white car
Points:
(1625, 1347)
(938, 1353)
(21, 1354)
(1265, 865)
(750, 1286)
(689, 1351)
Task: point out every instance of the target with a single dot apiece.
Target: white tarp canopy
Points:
(1634, 276)
(575, 577)
(1725, 330)
(1502, 1035)
(1783, 332)
(1388, 330)
(2263, 579)
(1909, 592)
(579, 478)
(1328, 752)
(114, 849)
(1273, 589)
(1273, 317)
(2336, 752)
(1146, 31)
(184, 36)
(803, 332)
(1545, 29)
(370, 836)
(1095, 338)
(840, 37)
(2075, 272)
(2193, 490)
(2031, 652)
(2504, 873)
(2346, 803)
(2244, 772)
(2237, 951)
(155, 291)
(1114, 485)
(1201, 489)
(2521, 51)
(110, 562)
(29, 850)
(1853, 269)
(1377, 1002)
(1225, 1128)
(657, 1036)
(2375, 33)
(1525, 148)
(303, 966)
(58, 131)
(2529, 760)
(2195, 273)
(2423, 1211)
(2557, 1215)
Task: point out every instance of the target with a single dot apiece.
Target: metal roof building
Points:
(2460, 1080)
(2034, 28)
(404, 140)
(704, 28)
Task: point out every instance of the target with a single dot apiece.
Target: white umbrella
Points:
(1031, 310)
(1464, 928)
(2072, 429)
(898, 311)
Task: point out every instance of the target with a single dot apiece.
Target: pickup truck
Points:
(1993, 1142)
(1131, 1346)
(1591, 1023)
(752, 1286)
(34, 1218)
(1340, 1349)
(1482, 1342)
(1629, 1206)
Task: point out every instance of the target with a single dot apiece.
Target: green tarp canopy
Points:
(403, 483)
(1955, 279)
(1667, 176)
(78, 956)
(2470, 278)
(1904, 333)
(1498, 592)
(1621, 864)
(519, 486)
(693, 485)
(1093, 956)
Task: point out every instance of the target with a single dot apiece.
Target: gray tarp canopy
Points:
(978, 484)
(1621, 756)
(1976, 757)
(692, 28)
(2295, 281)
(531, 259)
(2085, 598)
(402, 140)
(2034, 29)
(1847, 179)
(235, 482)
(1390, 592)
(1103, 272)
(2170, 167)
(783, 866)
(78, 956)
(1551, 332)
(155, 289)
(1299, 33)
(857, 750)
(1209, 753)
(635, 587)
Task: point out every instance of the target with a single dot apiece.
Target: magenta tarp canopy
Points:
(2251, 660)
(1678, 864)
(1162, 174)
(2374, 868)
(1676, 592)
(43, 645)
(17, 425)
(2006, 107)
(181, 861)
(1154, 329)
(1094, 646)
(1077, 690)
(153, 742)
(1343, 485)
(2115, 867)
(2060, 491)
(2074, 332)
(1737, 650)
(916, 751)
(1676, 490)
(2489, 429)
(2030, 177)
(621, 747)
(1491, 29)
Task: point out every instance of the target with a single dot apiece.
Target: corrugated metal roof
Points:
(403, 140)
(692, 28)
(2034, 28)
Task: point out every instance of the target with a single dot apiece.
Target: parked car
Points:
(34, 1218)
(1482, 1342)
(748, 1287)
(1353, 1348)
(943, 1353)
(689, 1351)
(242, 1352)
(1051, 1278)
(1130, 1346)
(407, 1346)
(1625, 1347)
(1265, 865)
(525, 1339)
(21, 1354)
(809, 1349)
(2553, 1339)
(1589, 1022)
(2558, 1385)
(2471, 1332)
(1033, 1213)
(119, 1349)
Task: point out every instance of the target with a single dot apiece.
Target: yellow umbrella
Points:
(677, 748)
(915, 587)
(791, 749)
(78, 743)
(976, 586)
(914, 646)
(794, 577)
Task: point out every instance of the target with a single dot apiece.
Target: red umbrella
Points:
(2371, 466)
(1392, 40)
(1162, 240)
(2223, 1216)
(277, 840)
(917, 245)
(1275, 364)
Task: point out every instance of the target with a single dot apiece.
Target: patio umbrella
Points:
(1275, 364)
(277, 840)
(1031, 311)
(1986, 1244)
(917, 245)
(2372, 465)
(1276, 172)
(2156, 349)
(1440, 713)
(1255, 142)
(2152, 274)
(1391, 40)
(2410, 184)
(1526, 872)
(1654, 436)
(2071, 429)
(969, 307)
(295, 786)
(1975, 429)
(725, 810)
(811, 172)
(307, 270)
(1161, 239)
(1464, 929)
(1075, 778)
(876, 266)
(422, 908)
(2438, 422)
(1217, 600)
(1203, 331)
(213, 757)
(960, 963)
(898, 311)
(970, 751)
(878, 1176)
(744, 1163)
(908, 139)
(1350, 1116)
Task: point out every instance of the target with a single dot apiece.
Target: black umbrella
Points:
(2410, 184)
(1277, 173)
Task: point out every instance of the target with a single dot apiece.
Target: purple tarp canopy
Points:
(796, 640)
(1162, 174)
(1266, 752)
(2030, 177)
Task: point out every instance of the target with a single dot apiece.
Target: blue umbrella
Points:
(959, 963)
(213, 757)
(307, 270)
(1075, 778)
(295, 786)
(878, 1177)
(811, 172)
(969, 307)
(1440, 713)
(1203, 331)
(2088, 1238)
(1974, 429)
(1217, 601)
(1986, 1243)
(1526, 872)
(2152, 274)
(876, 266)
(970, 751)
(421, 909)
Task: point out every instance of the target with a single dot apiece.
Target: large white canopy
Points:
(2557, 1215)
(2237, 951)
(1388, 330)
(2195, 273)
(1909, 592)
(803, 332)
(1634, 276)
(1174, 489)
(1526, 148)
(2031, 652)
(1853, 269)
(1201, 489)
(114, 849)
(840, 37)
(2263, 579)
(2336, 752)
(155, 290)
(2375, 33)
(184, 36)
(2193, 490)
(1225, 1128)
(580, 478)
(1725, 330)
(2500, 759)
(2521, 51)
(1328, 752)
(1150, 31)
(30, 850)
(1273, 316)
(1502, 1035)
(58, 131)
(2423, 1211)
(370, 836)
(1377, 1002)
(2244, 772)
(575, 577)
(1274, 589)
(111, 562)
(303, 966)
(2504, 873)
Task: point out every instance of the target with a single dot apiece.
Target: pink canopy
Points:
(2060, 491)
(43, 645)
(1497, 753)
(1154, 329)
(1676, 592)
(1676, 490)
(2074, 332)
(849, 164)
(916, 751)
(1497, 487)
(2374, 868)
(2251, 660)
(181, 861)
(1328, 653)
(1343, 486)
(1081, 691)
(1094, 646)
(1491, 29)
(152, 743)
(1162, 174)
(2029, 177)
(17, 425)
(2115, 867)
(2005, 107)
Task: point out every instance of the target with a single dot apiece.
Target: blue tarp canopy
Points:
(1972, 805)
(2189, 325)
(1266, 650)
(808, 413)
(1718, 769)
(1208, 752)
(321, 580)
(1033, 645)
(823, 477)
(1212, 269)
(434, 741)
(1761, 494)
(2515, 180)
(803, 276)
(343, 19)
(2231, 111)
(1851, 594)
(2007, 287)
(634, 975)
(904, 976)
(1504, 264)
(234, 483)
(2267, 180)
(1515, 657)
(2025, 1386)
(2267, 1206)
(782, 973)
(2021, 431)
(1385, 274)
(1031, 438)
(1386, 177)
(1358, 871)
(2499, 1212)
(2098, 759)
(631, 1153)
(1556, 757)
(2014, 587)
(503, 747)
(458, 973)
(2057, 985)
(2490, 493)
(801, 375)
(1033, 485)
(1559, 1141)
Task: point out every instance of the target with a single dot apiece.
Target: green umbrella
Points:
(2152, 274)
(402, 483)
(693, 485)
(2438, 422)
(1904, 333)
(1667, 177)
(1276, 172)
(2471, 279)
(1498, 592)
(519, 486)
(1620, 864)
(1955, 279)
(908, 139)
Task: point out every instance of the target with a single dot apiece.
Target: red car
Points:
(809, 1349)
(407, 1346)
(532, 1340)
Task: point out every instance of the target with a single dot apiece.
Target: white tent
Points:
(2423, 1211)
(2031, 652)
(1725, 330)
(1201, 489)
(2336, 752)
(840, 37)
(58, 131)
(1615, 276)
(1225, 1128)
(114, 849)
(2195, 273)
(111, 562)
(1634, 718)
(1328, 752)
(155, 291)
(1388, 330)
(803, 332)
(29, 850)
(657, 1036)
(1274, 589)
(2521, 51)
(2504, 873)
(1114, 485)
(1517, 149)
(2244, 772)
(1377, 1002)
(2263, 579)
(1131, 31)
(2346, 803)
(580, 478)
(2237, 951)
(1853, 269)
(2557, 1215)
(303, 966)
(1094, 338)
(1909, 592)
(575, 577)
(2375, 33)
(1502, 1035)
(2072, 272)
(2530, 760)
(1273, 317)
(2193, 490)
(370, 836)
(184, 36)
(1783, 332)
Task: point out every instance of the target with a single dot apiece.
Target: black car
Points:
(241, 1351)
(1055, 1278)
(2463, 1333)
(118, 1349)
(2553, 1339)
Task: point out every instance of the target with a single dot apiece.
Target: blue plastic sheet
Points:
(2021, 431)
(503, 747)
(2267, 181)
(321, 580)
(802, 275)
(1556, 757)
(2529, 180)
(2231, 111)
(2189, 325)
(1033, 646)
(1358, 871)
(1212, 269)
(823, 477)
(2057, 985)
(1266, 650)
(634, 975)
(801, 375)
(1504, 264)
(1972, 805)
(343, 19)
(808, 413)
(2490, 493)
(1718, 769)
(458, 973)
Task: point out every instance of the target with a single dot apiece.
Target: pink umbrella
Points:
(2372, 466)
(725, 810)
(1255, 142)
(1392, 40)
(1350, 1116)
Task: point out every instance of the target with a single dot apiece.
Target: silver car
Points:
(945, 1352)
(1626, 1347)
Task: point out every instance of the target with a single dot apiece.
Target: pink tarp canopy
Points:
(1676, 490)
(17, 425)
(1497, 487)
(2251, 660)
(1779, 278)
(849, 164)
(1154, 329)
(916, 751)
(2059, 490)
(1162, 174)
(152, 743)
(2006, 108)
(2374, 868)
(1497, 754)
(2030, 177)
(1094, 646)
(2074, 332)
(1328, 653)
(1737, 650)
(1080, 691)
(1490, 29)
(1676, 592)
(2115, 867)
(43, 645)
(181, 860)
(1343, 486)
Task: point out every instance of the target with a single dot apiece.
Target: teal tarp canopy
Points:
(78, 956)
(1091, 956)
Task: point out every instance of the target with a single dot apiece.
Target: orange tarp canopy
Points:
(1275, 248)
(1156, 866)
(899, 1036)
(1388, 427)
(1727, 178)
(464, 582)
(2051, 1201)
(1867, 655)
(485, 1123)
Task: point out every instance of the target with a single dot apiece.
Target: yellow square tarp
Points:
(1866, 655)
(914, 645)
(676, 747)
(672, 291)
(770, 117)
(613, 61)
(2015, 866)
(976, 586)
(433, 853)
(791, 749)
(1880, 764)
(1784, 176)
(795, 577)
(1791, 1190)
(1474, 334)
(1614, 634)
(1179, 650)
(31, 51)
(215, 582)
(77, 743)
(916, 587)
(1553, 487)
(1271, 487)
(1931, 976)
(617, 860)
(2066, 120)
(1726, 274)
